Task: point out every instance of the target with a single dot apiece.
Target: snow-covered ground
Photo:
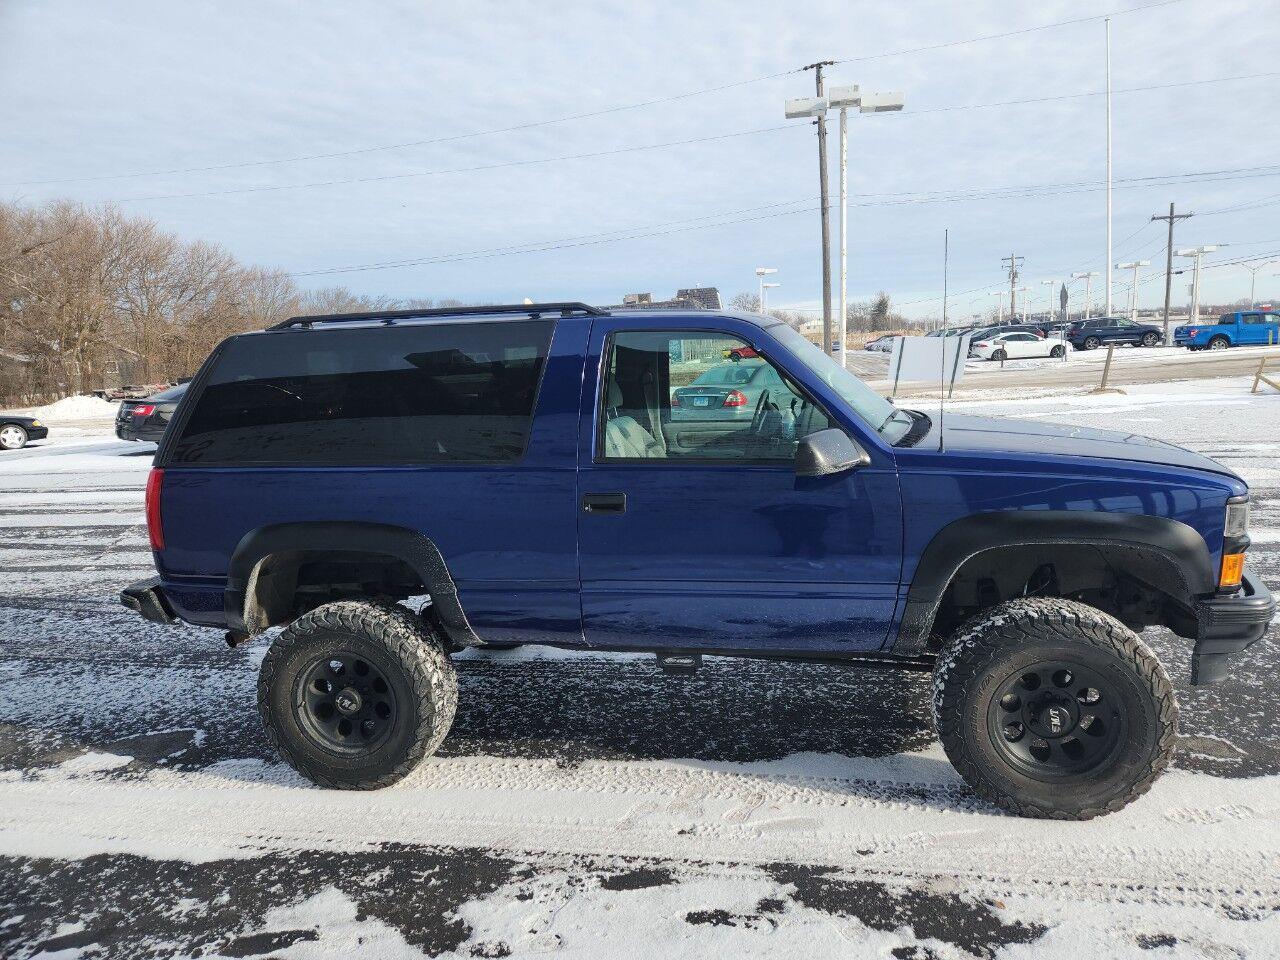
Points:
(589, 805)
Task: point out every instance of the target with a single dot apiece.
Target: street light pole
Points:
(842, 97)
(1052, 285)
(761, 273)
(999, 305)
(1133, 291)
(1088, 290)
(1109, 259)
(1253, 279)
(1025, 301)
(1196, 253)
(765, 288)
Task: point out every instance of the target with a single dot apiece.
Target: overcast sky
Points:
(111, 91)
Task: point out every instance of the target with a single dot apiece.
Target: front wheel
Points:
(1058, 352)
(12, 437)
(1092, 343)
(1051, 708)
(1150, 339)
(356, 694)
(1219, 343)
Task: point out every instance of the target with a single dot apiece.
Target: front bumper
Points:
(1227, 626)
(147, 598)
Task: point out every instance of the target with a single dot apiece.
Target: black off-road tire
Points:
(976, 665)
(390, 640)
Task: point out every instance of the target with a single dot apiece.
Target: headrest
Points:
(614, 398)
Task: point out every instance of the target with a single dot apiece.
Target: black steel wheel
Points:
(355, 694)
(1052, 708)
(344, 702)
(1055, 718)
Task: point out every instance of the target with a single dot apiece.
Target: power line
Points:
(585, 115)
(595, 154)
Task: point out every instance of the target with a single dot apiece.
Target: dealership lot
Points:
(586, 804)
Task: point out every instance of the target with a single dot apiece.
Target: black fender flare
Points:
(401, 543)
(1185, 555)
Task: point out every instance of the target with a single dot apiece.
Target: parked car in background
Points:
(999, 328)
(15, 431)
(146, 419)
(882, 344)
(1092, 334)
(1240, 329)
(1016, 345)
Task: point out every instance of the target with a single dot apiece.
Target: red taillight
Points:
(675, 399)
(1192, 332)
(736, 398)
(155, 480)
(144, 409)
(982, 345)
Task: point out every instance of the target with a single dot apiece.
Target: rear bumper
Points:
(147, 598)
(1227, 626)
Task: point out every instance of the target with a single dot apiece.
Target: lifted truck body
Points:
(563, 547)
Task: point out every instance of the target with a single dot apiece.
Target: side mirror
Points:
(826, 452)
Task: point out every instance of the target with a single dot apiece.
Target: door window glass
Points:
(680, 396)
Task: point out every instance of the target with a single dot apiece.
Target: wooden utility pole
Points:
(1168, 268)
(826, 210)
(1013, 260)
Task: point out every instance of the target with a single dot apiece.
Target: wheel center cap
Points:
(1053, 719)
(348, 701)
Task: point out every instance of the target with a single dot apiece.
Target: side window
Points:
(400, 394)
(1256, 318)
(698, 397)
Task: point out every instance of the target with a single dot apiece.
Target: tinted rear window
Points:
(437, 393)
(173, 393)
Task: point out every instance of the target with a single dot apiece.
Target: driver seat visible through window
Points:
(624, 438)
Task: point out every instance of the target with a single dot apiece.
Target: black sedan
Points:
(146, 419)
(15, 431)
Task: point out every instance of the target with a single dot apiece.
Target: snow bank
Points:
(77, 408)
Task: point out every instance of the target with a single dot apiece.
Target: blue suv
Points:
(526, 474)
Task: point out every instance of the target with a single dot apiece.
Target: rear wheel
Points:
(1051, 708)
(999, 355)
(1058, 352)
(12, 437)
(356, 694)
(1219, 343)
(1092, 343)
(1150, 339)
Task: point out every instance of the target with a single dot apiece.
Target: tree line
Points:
(92, 297)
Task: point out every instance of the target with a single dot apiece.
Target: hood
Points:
(997, 435)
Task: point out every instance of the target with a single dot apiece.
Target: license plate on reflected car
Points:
(702, 401)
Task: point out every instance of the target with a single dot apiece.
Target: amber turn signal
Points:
(1232, 570)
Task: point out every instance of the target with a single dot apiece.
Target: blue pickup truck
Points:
(1244, 328)
(393, 487)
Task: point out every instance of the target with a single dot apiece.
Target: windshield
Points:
(881, 415)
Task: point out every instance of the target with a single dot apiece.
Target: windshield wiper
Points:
(889, 419)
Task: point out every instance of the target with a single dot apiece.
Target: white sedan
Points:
(1016, 346)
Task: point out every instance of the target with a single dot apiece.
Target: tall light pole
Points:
(1053, 289)
(845, 97)
(1109, 258)
(1253, 279)
(999, 305)
(816, 107)
(761, 273)
(1088, 290)
(1024, 303)
(1133, 290)
(1196, 253)
(765, 288)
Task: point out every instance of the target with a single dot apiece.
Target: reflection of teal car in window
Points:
(1242, 329)
(727, 391)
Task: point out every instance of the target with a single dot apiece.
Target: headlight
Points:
(1237, 525)
(35, 423)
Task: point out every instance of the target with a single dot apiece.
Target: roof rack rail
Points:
(566, 309)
